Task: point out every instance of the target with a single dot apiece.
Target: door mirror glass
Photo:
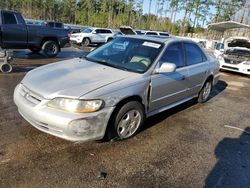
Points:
(166, 68)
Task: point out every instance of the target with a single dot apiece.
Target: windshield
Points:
(238, 52)
(87, 30)
(129, 54)
(219, 46)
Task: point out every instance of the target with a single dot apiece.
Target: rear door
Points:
(14, 31)
(197, 65)
(172, 87)
(98, 36)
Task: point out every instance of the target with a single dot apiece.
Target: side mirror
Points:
(166, 68)
(94, 32)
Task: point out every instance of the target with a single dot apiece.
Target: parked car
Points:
(140, 32)
(117, 86)
(157, 33)
(127, 30)
(15, 34)
(92, 36)
(234, 55)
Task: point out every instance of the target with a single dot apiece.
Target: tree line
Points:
(161, 14)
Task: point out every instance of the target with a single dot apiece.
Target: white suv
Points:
(92, 36)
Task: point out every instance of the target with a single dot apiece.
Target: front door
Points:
(14, 34)
(172, 87)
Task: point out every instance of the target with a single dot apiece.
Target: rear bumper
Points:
(216, 78)
(63, 42)
(75, 40)
(76, 127)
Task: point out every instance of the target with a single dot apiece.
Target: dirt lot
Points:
(188, 146)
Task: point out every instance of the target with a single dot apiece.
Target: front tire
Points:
(126, 121)
(205, 91)
(50, 48)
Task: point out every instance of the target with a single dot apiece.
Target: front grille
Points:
(232, 61)
(233, 68)
(29, 95)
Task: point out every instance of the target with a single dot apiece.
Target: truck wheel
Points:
(205, 91)
(126, 121)
(5, 68)
(50, 48)
(85, 42)
(35, 50)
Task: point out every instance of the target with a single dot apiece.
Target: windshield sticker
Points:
(151, 44)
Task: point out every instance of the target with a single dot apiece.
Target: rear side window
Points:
(9, 18)
(174, 54)
(194, 55)
(59, 25)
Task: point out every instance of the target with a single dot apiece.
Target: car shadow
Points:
(233, 163)
(153, 120)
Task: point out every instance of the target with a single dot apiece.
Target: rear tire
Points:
(86, 42)
(205, 92)
(50, 48)
(126, 121)
(109, 39)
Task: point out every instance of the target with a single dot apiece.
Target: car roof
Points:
(159, 39)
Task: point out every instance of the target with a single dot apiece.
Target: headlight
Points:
(220, 58)
(76, 105)
(246, 63)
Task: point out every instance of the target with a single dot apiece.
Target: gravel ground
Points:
(187, 146)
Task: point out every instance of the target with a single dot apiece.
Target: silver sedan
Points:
(111, 91)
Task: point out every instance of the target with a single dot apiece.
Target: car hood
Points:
(72, 78)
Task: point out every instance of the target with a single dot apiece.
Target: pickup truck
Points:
(15, 34)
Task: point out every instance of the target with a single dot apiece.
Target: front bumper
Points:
(235, 68)
(76, 127)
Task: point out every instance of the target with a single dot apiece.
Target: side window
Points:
(194, 55)
(9, 18)
(174, 54)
